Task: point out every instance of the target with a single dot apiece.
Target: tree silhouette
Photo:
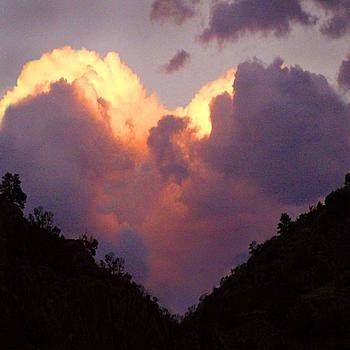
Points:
(10, 188)
(347, 181)
(114, 265)
(90, 243)
(253, 246)
(44, 220)
(284, 224)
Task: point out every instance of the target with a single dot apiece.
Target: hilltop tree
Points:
(347, 181)
(284, 224)
(114, 265)
(90, 243)
(44, 220)
(10, 189)
(253, 246)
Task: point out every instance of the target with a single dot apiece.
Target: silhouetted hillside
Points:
(54, 296)
(292, 293)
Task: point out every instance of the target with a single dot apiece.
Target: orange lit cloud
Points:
(132, 111)
(199, 108)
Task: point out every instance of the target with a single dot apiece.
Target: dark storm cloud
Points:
(58, 147)
(229, 20)
(339, 23)
(344, 74)
(177, 62)
(287, 131)
(167, 152)
(176, 10)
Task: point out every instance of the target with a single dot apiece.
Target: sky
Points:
(175, 131)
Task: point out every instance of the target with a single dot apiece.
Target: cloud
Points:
(92, 146)
(175, 10)
(99, 78)
(200, 228)
(199, 108)
(344, 74)
(339, 22)
(58, 143)
(132, 110)
(179, 194)
(179, 61)
(168, 154)
(287, 131)
(230, 20)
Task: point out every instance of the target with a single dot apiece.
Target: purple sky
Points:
(106, 155)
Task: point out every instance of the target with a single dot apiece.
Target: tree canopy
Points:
(10, 189)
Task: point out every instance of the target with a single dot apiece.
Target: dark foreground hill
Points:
(54, 296)
(292, 293)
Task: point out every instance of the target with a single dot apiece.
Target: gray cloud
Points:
(168, 154)
(339, 23)
(344, 74)
(175, 10)
(230, 20)
(287, 131)
(177, 62)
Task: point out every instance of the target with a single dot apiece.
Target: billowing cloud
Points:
(88, 142)
(108, 79)
(176, 10)
(113, 83)
(287, 131)
(199, 107)
(178, 193)
(344, 74)
(339, 22)
(179, 61)
(58, 142)
(230, 20)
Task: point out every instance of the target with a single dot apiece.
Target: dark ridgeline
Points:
(292, 293)
(54, 296)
